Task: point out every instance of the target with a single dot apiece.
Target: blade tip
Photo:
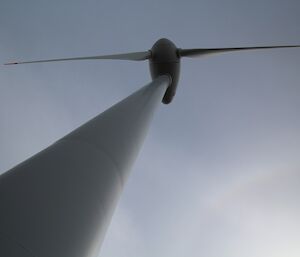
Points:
(11, 63)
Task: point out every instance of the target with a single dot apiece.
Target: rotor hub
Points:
(164, 51)
(165, 60)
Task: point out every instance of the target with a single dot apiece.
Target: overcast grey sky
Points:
(219, 173)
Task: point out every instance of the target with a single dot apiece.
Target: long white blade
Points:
(137, 56)
(198, 52)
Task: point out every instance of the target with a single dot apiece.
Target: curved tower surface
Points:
(59, 202)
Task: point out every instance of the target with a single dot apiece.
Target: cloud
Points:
(124, 237)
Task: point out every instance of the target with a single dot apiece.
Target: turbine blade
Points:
(197, 52)
(137, 56)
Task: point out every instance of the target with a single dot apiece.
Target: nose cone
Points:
(165, 61)
(164, 50)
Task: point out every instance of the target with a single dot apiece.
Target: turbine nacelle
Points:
(165, 60)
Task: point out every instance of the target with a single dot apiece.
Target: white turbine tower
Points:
(59, 202)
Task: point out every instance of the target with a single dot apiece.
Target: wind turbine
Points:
(59, 202)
